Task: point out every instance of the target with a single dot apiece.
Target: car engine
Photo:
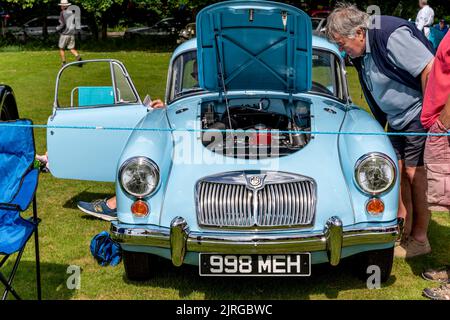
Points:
(257, 128)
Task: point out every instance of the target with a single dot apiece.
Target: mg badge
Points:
(255, 181)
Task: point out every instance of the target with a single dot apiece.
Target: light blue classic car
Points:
(244, 172)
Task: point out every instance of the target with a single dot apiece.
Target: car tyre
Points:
(138, 265)
(382, 258)
(9, 110)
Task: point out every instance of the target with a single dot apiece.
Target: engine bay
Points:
(258, 127)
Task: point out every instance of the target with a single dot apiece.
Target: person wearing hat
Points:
(68, 30)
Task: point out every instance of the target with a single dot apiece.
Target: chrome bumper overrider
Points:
(179, 239)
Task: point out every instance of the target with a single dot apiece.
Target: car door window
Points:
(124, 91)
(326, 77)
(93, 85)
(184, 77)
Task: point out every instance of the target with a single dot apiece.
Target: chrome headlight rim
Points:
(374, 155)
(141, 160)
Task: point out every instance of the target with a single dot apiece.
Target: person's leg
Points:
(418, 180)
(417, 243)
(405, 205)
(62, 55)
(62, 45)
(71, 47)
(111, 203)
(74, 52)
(103, 209)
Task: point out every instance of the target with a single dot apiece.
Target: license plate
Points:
(297, 264)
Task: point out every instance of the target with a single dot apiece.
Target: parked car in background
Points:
(188, 32)
(234, 175)
(34, 28)
(163, 28)
(318, 25)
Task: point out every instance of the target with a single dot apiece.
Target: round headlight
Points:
(375, 173)
(139, 176)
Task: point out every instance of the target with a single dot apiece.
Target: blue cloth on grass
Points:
(105, 250)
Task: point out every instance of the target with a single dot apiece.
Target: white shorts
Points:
(66, 41)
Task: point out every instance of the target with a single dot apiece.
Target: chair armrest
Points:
(27, 190)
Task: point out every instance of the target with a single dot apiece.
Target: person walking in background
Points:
(68, 31)
(425, 18)
(393, 62)
(436, 118)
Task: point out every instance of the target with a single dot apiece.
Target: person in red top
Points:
(436, 117)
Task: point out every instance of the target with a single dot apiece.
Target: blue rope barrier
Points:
(43, 126)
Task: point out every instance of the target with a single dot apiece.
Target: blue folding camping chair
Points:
(18, 184)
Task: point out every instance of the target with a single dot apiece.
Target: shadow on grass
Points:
(85, 196)
(324, 280)
(439, 237)
(53, 280)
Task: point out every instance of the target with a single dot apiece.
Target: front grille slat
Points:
(310, 198)
(249, 211)
(240, 203)
(232, 205)
(304, 204)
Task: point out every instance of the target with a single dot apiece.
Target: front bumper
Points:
(179, 239)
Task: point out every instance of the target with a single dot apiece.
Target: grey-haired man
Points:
(393, 60)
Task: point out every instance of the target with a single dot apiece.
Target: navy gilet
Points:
(378, 40)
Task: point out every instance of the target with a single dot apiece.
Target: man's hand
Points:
(425, 74)
(157, 104)
(445, 115)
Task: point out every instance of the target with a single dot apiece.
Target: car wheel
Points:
(382, 258)
(9, 109)
(138, 265)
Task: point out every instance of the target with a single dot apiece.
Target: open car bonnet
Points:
(256, 45)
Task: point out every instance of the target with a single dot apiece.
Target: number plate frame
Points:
(204, 266)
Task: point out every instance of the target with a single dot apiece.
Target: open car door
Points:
(100, 95)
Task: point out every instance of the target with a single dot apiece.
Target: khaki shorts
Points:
(437, 163)
(66, 41)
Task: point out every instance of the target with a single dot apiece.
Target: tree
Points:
(100, 9)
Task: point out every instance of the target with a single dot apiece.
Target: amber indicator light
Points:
(375, 206)
(139, 208)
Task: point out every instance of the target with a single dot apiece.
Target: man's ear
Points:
(360, 33)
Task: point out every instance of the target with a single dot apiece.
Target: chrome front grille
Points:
(280, 200)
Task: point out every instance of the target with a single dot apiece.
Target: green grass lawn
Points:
(65, 232)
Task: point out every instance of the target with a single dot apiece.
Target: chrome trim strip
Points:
(180, 240)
